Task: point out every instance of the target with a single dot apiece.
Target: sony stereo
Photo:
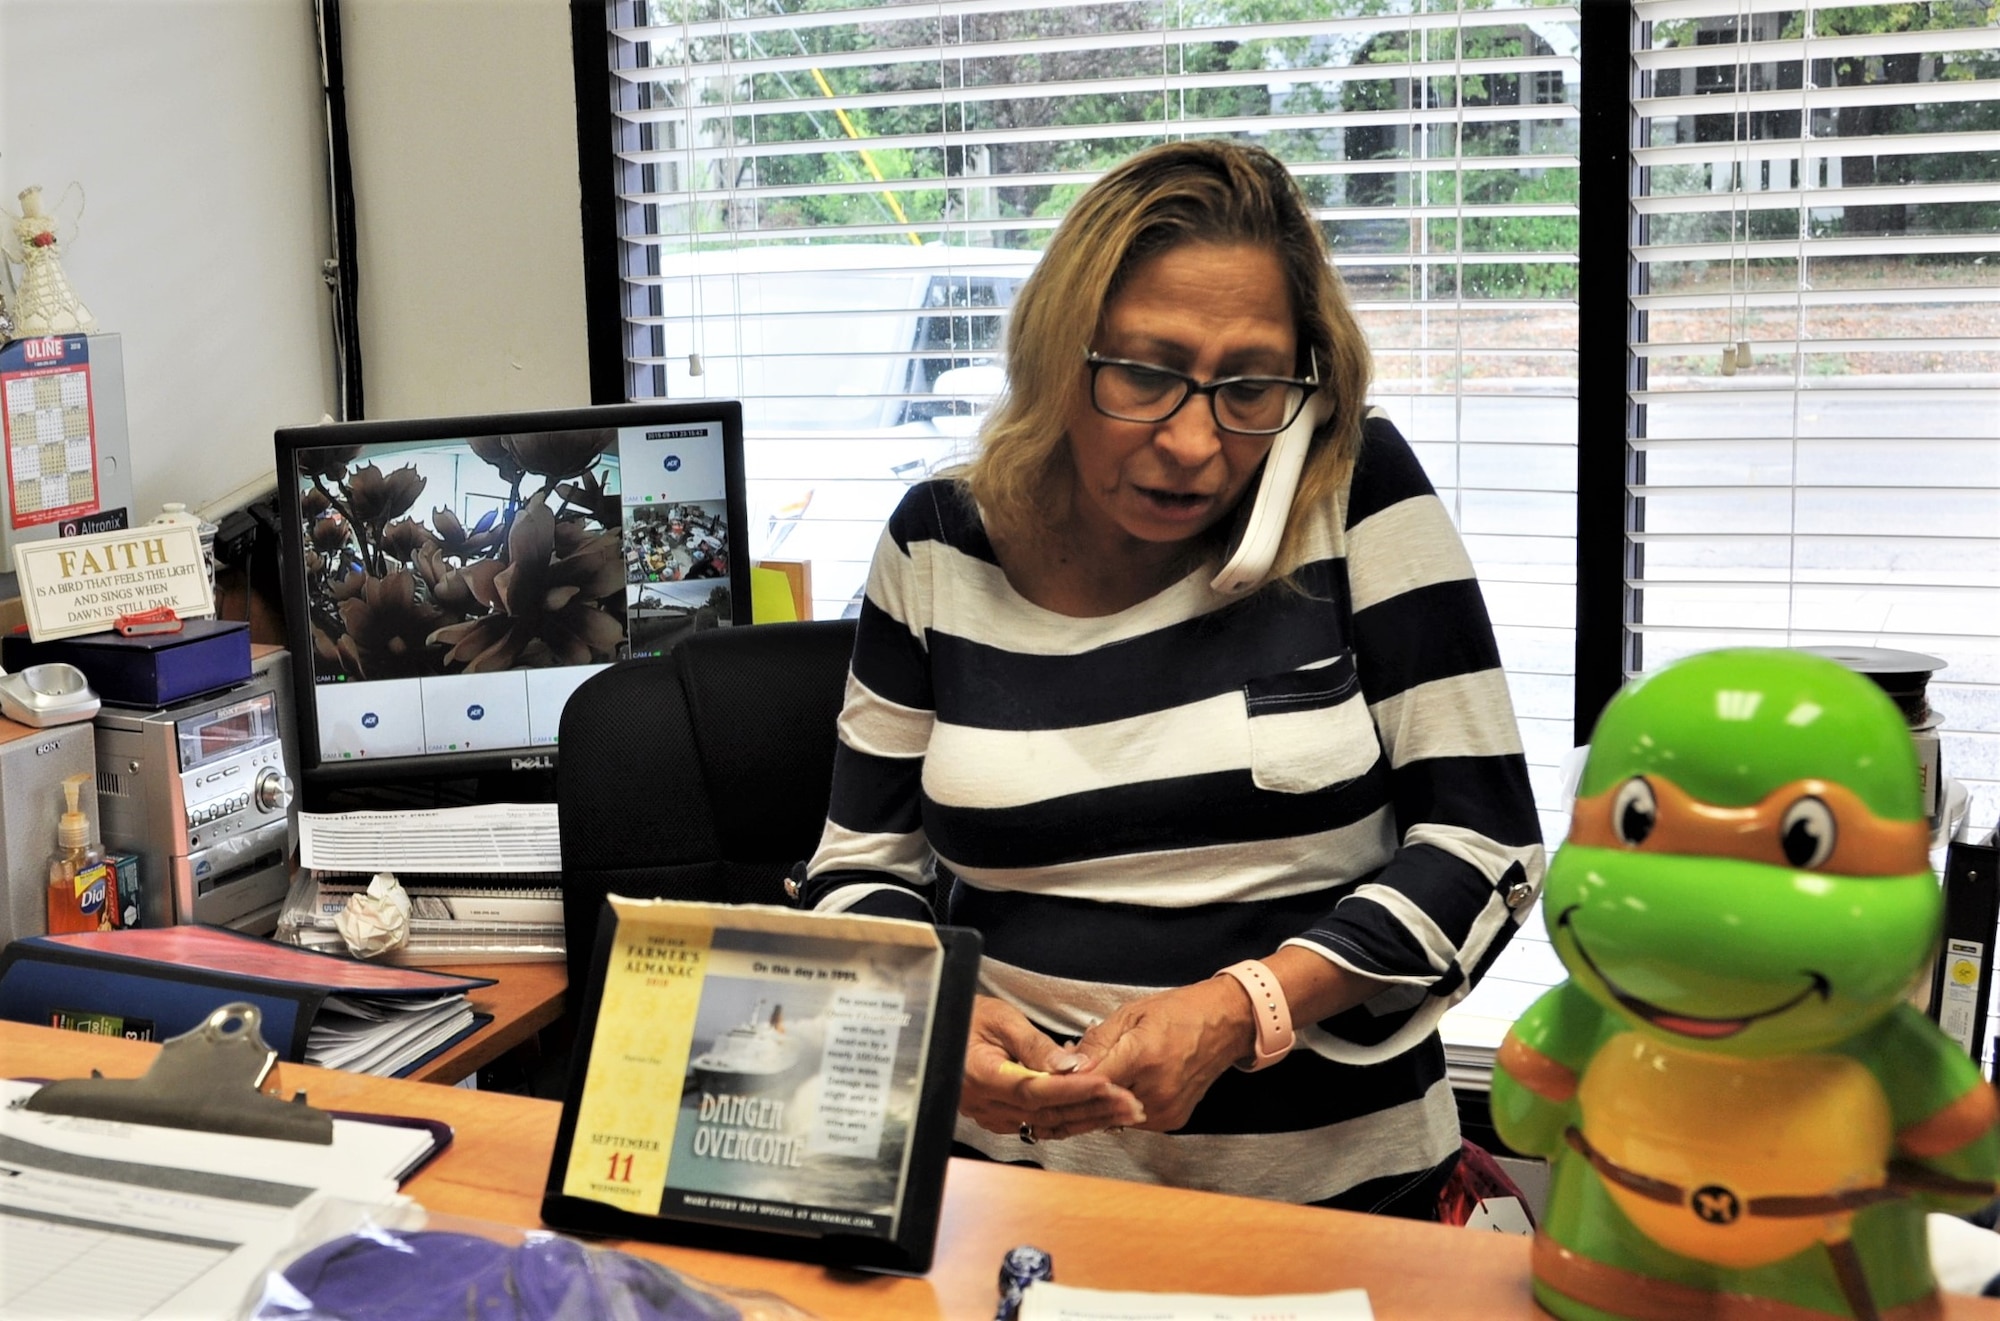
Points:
(201, 791)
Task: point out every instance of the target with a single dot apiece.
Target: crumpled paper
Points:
(375, 922)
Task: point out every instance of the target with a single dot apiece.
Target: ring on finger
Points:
(1028, 1133)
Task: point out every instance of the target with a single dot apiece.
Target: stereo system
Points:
(201, 791)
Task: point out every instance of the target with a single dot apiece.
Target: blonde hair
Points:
(1204, 191)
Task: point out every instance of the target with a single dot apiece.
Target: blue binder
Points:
(174, 977)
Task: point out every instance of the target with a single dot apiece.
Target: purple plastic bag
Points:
(439, 1276)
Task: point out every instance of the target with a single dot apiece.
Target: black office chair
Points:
(702, 774)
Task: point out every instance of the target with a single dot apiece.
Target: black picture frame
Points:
(911, 1250)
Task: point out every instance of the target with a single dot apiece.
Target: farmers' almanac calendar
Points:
(765, 1080)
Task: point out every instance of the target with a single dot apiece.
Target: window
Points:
(810, 193)
(1816, 456)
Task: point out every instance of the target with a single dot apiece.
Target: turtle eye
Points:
(1806, 833)
(1633, 811)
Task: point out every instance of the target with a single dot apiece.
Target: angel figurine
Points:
(44, 303)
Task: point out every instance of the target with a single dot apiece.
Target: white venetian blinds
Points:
(827, 207)
(1817, 456)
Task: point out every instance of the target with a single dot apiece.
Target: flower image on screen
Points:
(459, 589)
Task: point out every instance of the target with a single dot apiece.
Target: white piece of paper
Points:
(125, 1222)
(1048, 1301)
(362, 1163)
(492, 839)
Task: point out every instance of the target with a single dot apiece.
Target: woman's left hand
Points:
(1168, 1048)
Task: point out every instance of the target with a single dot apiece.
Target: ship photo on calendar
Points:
(802, 1083)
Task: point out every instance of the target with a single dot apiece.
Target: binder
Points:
(173, 978)
(1962, 983)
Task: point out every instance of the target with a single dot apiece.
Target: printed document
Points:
(1048, 1301)
(492, 839)
(119, 1222)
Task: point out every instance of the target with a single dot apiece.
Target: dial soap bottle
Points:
(80, 884)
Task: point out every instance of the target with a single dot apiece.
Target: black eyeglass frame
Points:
(1192, 387)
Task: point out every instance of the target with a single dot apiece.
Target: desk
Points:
(1102, 1233)
(524, 999)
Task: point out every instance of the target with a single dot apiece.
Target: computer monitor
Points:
(449, 582)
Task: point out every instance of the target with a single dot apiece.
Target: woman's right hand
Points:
(1016, 1074)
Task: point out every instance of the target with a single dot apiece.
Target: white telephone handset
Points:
(1257, 545)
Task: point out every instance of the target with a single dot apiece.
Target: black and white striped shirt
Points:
(1133, 802)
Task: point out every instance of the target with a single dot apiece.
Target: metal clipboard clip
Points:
(219, 1078)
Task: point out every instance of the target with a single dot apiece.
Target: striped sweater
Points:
(1128, 803)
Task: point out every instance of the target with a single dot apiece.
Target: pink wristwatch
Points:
(1274, 1016)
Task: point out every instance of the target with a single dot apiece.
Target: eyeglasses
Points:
(1248, 405)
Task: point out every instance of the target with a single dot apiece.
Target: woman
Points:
(1184, 820)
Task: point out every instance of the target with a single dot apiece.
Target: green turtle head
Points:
(1746, 869)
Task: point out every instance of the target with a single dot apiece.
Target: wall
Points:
(196, 130)
(194, 127)
(462, 116)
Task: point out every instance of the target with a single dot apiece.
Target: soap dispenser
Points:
(81, 894)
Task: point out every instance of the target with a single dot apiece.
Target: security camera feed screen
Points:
(460, 590)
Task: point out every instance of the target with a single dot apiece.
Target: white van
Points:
(861, 367)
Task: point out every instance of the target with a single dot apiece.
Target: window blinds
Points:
(1817, 236)
(827, 208)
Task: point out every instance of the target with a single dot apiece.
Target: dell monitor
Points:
(449, 583)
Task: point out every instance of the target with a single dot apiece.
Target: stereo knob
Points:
(274, 791)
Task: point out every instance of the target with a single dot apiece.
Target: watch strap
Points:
(1274, 1016)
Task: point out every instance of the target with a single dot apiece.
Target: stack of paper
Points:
(484, 882)
(366, 1035)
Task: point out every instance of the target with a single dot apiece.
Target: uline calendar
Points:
(51, 447)
(62, 438)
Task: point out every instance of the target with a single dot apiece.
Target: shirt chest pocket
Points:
(1309, 729)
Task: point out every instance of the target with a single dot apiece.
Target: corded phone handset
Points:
(1257, 544)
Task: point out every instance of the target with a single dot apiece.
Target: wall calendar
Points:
(49, 429)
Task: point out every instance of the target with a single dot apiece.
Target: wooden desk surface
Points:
(524, 999)
(1102, 1233)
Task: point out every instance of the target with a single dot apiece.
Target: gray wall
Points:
(195, 129)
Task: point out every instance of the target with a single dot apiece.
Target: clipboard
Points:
(765, 1168)
(223, 1078)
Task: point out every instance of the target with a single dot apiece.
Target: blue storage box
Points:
(154, 670)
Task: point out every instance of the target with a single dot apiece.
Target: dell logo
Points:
(545, 762)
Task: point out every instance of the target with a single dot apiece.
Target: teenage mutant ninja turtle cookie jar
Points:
(1743, 1112)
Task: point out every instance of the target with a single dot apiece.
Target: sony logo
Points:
(44, 749)
(545, 762)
